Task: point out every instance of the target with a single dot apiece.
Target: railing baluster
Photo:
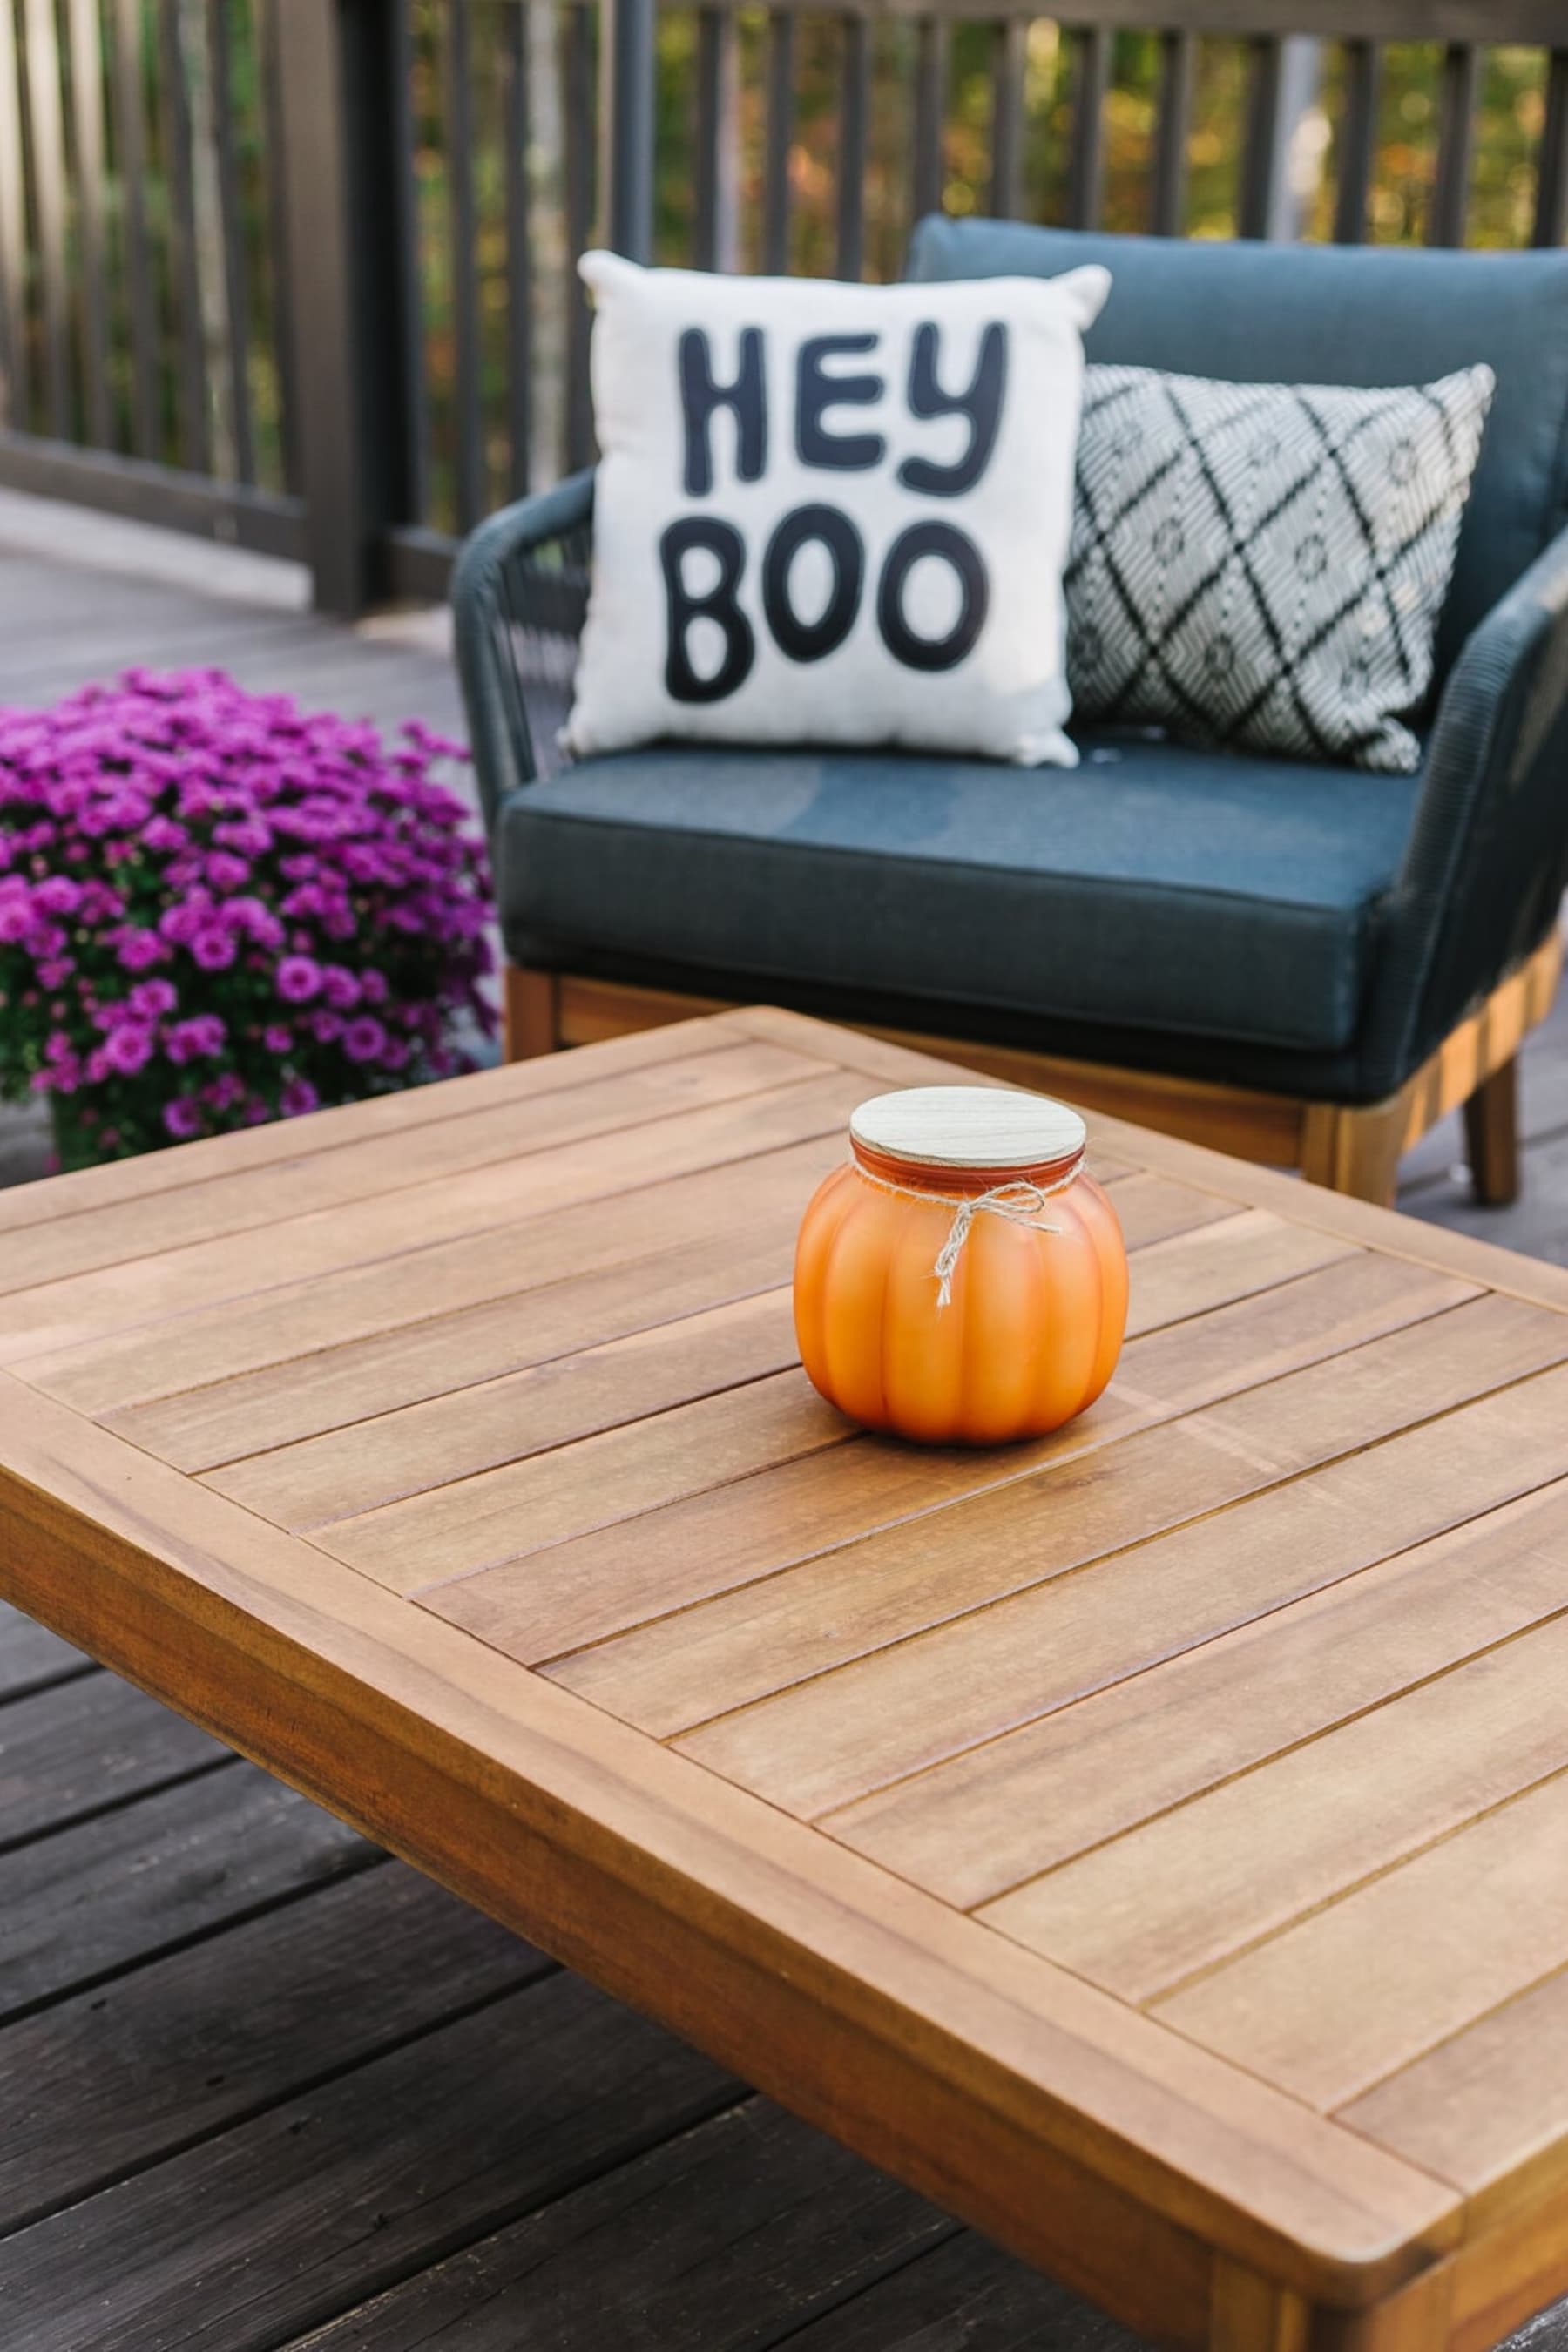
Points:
(1455, 137)
(1358, 140)
(49, 194)
(718, 140)
(1086, 169)
(853, 121)
(516, 111)
(579, 115)
(235, 276)
(13, 257)
(410, 289)
(1178, 62)
(775, 154)
(1260, 144)
(467, 465)
(1551, 170)
(131, 143)
(86, 116)
(270, 37)
(1009, 57)
(930, 115)
(195, 447)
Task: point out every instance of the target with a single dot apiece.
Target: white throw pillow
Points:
(832, 514)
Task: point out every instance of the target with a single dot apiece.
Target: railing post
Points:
(338, 63)
(626, 34)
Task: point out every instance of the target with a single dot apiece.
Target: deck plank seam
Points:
(348, 1866)
(110, 1806)
(51, 1679)
(539, 1972)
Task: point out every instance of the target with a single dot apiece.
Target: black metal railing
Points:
(300, 273)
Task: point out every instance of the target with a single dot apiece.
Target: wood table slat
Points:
(555, 1404)
(1188, 1890)
(785, 1606)
(389, 1230)
(837, 1740)
(223, 1158)
(1166, 1694)
(826, 1743)
(1486, 2106)
(362, 1307)
(364, 1170)
(310, 1408)
(534, 1505)
(1362, 1986)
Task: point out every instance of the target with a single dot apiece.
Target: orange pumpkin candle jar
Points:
(960, 1280)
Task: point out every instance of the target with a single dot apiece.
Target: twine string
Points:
(1018, 1203)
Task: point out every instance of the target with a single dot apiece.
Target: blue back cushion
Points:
(1335, 314)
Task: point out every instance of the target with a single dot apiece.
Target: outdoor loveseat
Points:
(1304, 963)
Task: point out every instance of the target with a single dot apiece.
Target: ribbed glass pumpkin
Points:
(1031, 1330)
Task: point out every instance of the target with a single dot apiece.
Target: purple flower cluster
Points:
(215, 911)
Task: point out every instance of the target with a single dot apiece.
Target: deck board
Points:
(300, 2096)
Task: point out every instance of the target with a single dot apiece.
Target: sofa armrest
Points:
(1487, 862)
(520, 592)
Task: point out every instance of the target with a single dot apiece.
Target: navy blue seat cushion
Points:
(1252, 313)
(1153, 888)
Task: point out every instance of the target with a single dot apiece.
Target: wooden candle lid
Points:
(969, 1127)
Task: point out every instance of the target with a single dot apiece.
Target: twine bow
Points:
(1018, 1203)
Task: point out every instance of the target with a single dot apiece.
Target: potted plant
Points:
(216, 911)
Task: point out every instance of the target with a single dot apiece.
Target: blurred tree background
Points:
(220, 48)
(1502, 189)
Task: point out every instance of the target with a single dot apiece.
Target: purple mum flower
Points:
(299, 979)
(365, 1040)
(212, 948)
(152, 998)
(339, 986)
(138, 950)
(128, 1049)
(298, 1098)
(183, 1118)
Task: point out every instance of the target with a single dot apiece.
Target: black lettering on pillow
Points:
(980, 402)
(723, 541)
(700, 396)
(808, 641)
(815, 394)
(956, 547)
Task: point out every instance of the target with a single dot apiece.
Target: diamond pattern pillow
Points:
(1263, 565)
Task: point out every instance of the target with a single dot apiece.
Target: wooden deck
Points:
(262, 2087)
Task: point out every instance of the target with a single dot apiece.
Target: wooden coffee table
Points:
(1152, 1843)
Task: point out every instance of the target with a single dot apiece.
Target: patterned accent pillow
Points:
(1263, 565)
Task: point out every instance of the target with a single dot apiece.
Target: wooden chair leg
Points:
(1355, 1149)
(529, 1011)
(1491, 1137)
